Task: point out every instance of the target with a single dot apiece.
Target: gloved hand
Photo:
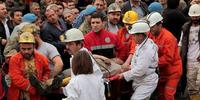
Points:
(37, 84)
(57, 82)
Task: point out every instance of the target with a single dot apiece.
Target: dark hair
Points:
(12, 12)
(172, 4)
(60, 4)
(79, 42)
(93, 1)
(70, 1)
(99, 14)
(82, 63)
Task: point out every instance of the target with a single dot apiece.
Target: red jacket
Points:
(170, 65)
(128, 42)
(102, 43)
(19, 82)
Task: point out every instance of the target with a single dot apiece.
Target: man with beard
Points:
(24, 64)
(170, 65)
(48, 50)
(190, 41)
(114, 15)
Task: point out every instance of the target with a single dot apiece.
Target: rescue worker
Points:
(114, 18)
(103, 42)
(24, 64)
(74, 43)
(48, 50)
(130, 17)
(170, 65)
(144, 63)
(190, 52)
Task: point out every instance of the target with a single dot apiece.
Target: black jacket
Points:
(173, 21)
(51, 34)
(127, 6)
(184, 50)
(3, 33)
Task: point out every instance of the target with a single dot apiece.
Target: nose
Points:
(115, 16)
(26, 51)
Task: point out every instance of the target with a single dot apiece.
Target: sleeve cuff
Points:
(127, 76)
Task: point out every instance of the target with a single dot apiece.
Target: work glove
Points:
(57, 82)
(37, 84)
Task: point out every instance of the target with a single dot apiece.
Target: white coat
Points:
(143, 66)
(96, 69)
(85, 87)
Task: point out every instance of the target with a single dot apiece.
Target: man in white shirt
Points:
(143, 64)
(190, 53)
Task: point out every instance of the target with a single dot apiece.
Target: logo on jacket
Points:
(107, 40)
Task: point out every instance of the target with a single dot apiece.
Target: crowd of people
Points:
(156, 43)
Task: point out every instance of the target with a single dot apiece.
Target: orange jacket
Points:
(127, 41)
(170, 64)
(19, 82)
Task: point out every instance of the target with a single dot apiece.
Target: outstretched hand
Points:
(37, 84)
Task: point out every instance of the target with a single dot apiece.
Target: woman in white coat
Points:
(84, 85)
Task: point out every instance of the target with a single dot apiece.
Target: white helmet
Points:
(73, 35)
(194, 10)
(153, 18)
(140, 26)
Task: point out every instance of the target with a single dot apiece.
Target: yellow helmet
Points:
(32, 28)
(26, 37)
(130, 17)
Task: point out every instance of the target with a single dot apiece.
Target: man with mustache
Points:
(114, 15)
(190, 47)
(22, 66)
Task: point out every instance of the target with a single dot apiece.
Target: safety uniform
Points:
(143, 66)
(170, 65)
(104, 43)
(127, 41)
(19, 81)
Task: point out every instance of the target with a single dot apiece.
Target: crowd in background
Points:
(105, 25)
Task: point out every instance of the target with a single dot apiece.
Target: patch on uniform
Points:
(107, 40)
